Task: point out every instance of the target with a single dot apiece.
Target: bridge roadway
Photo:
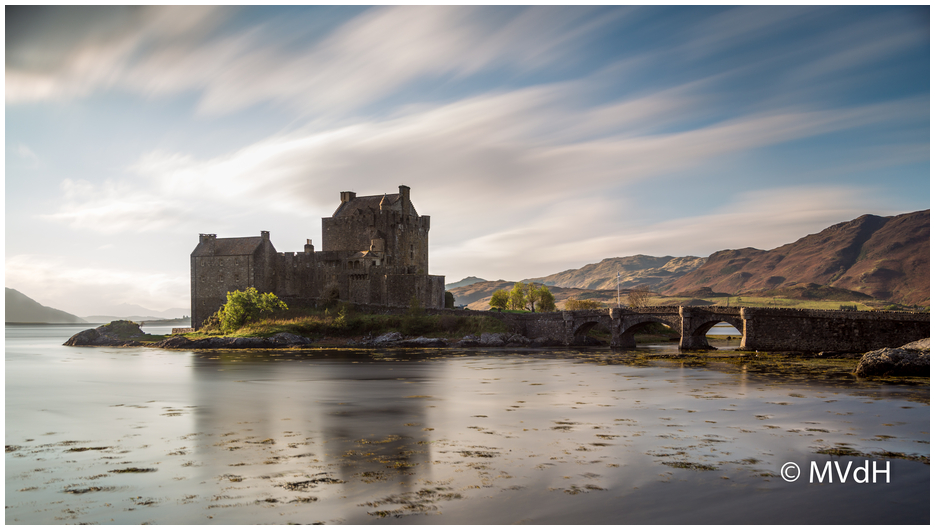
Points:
(767, 329)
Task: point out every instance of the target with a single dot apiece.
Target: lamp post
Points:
(618, 289)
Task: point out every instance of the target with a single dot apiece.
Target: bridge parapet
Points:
(767, 329)
(816, 330)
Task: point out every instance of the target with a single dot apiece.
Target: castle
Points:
(375, 251)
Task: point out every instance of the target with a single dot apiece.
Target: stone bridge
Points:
(766, 329)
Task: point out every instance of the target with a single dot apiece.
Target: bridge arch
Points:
(624, 335)
(579, 323)
(697, 324)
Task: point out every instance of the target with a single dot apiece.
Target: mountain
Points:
(655, 273)
(477, 295)
(468, 294)
(882, 257)
(467, 281)
(135, 313)
(104, 319)
(21, 308)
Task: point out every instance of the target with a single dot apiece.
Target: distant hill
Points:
(653, 272)
(135, 313)
(104, 319)
(21, 308)
(477, 295)
(467, 281)
(886, 258)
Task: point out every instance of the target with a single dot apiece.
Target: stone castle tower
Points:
(375, 250)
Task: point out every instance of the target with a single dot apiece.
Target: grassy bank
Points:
(342, 322)
(774, 302)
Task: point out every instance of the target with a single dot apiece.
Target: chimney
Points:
(309, 247)
(347, 196)
(404, 193)
(208, 241)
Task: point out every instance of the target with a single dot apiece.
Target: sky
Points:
(538, 139)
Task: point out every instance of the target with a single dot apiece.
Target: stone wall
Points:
(401, 288)
(815, 330)
(763, 329)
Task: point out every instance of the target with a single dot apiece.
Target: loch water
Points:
(451, 436)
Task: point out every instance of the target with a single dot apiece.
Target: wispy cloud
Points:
(770, 218)
(82, 289)
(491, 150)
(366, 59)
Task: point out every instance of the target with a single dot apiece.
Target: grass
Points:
(342, 321)
(756, 301)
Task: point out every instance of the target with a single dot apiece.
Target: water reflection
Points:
(444, 436)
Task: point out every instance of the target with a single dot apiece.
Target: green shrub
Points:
(500, 299)
(577, 305)
(243, 307)
(415, 307)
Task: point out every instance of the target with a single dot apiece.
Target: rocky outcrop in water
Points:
(117, 333)
(124, 333)
(911, 359)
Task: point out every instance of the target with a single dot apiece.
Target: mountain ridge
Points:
(654, 272)
(886, 258)
(20, 308)
(869, 257)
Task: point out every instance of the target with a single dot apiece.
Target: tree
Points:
(243, 307)
(639, 296)
(449, 300)
(546, 299)
(578, 305)
(518, 296)
(539, 297)
(500, 299)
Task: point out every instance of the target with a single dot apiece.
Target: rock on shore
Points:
(279, 340)
(128, 334)
(117, 333)
(910, 359)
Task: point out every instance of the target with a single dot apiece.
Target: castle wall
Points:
(298, 275)
(401, 288)
(406, 237)
(389, 273)
(212, 278)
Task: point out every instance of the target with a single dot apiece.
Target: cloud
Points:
(169, 50)
(116, 207)
(82, 289)
(518, 153)
(587, 232)
(69, 51)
